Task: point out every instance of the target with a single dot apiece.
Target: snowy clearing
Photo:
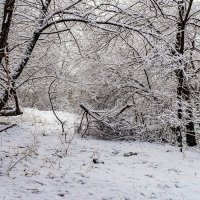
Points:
(37, 164)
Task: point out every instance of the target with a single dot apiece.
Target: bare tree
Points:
(184, 88)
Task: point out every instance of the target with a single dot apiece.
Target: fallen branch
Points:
(14, 112)
(91, 113)
(8, 127)
(106, 125)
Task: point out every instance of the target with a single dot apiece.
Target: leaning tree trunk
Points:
(5, 28)
(183, 88)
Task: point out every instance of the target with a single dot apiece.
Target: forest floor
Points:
(36, 164)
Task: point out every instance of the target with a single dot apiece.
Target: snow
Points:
(44, 167)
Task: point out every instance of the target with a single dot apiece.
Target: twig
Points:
(8, 127)
(12, 166)
(123, 109)
(145, 71)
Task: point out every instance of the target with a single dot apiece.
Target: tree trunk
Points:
(183, 88)
(7, 18)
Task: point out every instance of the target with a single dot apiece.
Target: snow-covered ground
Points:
(37, 164)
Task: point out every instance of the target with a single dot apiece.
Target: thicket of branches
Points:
(134, 66)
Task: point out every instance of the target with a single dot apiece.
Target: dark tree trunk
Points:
(5, 28)
(183, 89)
(7, 18)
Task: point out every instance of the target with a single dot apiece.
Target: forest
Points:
(93, 91)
